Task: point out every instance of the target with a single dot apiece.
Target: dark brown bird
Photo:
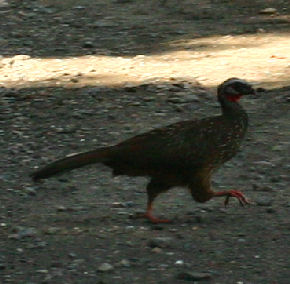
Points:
(181, 154)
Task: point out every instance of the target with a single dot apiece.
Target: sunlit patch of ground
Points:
(262, 58)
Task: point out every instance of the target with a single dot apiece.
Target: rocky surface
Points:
(79, 227)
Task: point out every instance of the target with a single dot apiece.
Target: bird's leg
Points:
(148, 215)
(232, 193)
(154, 188)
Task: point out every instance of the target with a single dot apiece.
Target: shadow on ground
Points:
(120, 28)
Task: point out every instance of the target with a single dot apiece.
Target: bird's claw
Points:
(151, 218)
(237, 194)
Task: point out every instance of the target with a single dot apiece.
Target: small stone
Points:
(105, 267)
(268, 11)
(193, 276)
(263, 201)
(42, 271)
(79, 7)
(52, 230)
(117, 205)
(3, 4)
(258, 187)
(88, 44)
(37, 244)
(148, 99)
(30, 190)
(270, 210)
(179, 262)
(23, 232)
(160, 242)
(125, 263)
(263, 163)
(161, 94)
(130, 89)
(275, 179)
(21, 57)
(191, 98)
(135, 104)
(157, 250)
(277, 148)
(61, 208)
(129, 204)
(76, 263)
(2, 266)
(176, 100)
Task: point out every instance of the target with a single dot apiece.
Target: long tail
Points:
(76, 161)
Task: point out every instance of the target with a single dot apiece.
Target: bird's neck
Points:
(234, 111)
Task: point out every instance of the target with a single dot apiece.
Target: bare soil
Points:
(77, 75)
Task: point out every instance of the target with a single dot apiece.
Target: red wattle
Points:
(234, 98)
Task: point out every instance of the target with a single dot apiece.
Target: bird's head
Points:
(233, 89)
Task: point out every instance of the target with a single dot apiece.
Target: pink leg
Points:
(233, 193)
(148, 215)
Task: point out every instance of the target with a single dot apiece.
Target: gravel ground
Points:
(80, 227)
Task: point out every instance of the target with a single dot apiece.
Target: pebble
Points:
(183, 98)
(160, 242)
(161, 94)
(193, 276)
(191, 98)
(37, 244)
(23, 232)
(76, 263)
(30, 190)
(52, 230)
(270, 210)
(61, 208)
(2, 266)
(268, 11)
(157, 250)
(148, 99)
(263, 163)
(176, 100)
(179, 262)
(263, 201)
(72, 255)
(21, 57)
(88, 44)
(258, 187)
(3, 4)
(42, 271)
(125, 263)
(105, 267)
(117, 205)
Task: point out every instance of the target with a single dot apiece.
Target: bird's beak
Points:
(253, 92)
(250, 92)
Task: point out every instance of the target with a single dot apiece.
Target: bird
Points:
(184, 154)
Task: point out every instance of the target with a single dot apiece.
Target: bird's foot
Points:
(233, 193)
(239, 195)
(151, 218)
(155, 220)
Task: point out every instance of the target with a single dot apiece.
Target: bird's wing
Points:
(177, 145)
